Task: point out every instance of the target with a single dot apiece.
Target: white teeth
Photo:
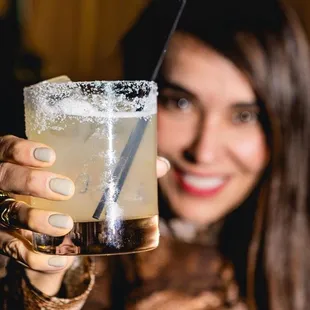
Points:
(203, 182)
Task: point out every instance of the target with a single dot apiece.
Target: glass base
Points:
(102, 238)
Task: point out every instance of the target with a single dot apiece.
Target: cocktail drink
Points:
(88, 124)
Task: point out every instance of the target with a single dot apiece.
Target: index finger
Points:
(24, 152)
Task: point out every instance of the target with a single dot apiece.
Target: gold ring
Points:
(8, 212)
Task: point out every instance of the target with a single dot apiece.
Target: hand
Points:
(20, 173)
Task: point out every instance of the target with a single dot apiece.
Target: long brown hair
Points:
(265, 40)
(279, 69)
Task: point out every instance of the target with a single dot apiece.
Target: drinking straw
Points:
(132, 145)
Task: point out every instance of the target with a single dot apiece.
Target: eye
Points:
(245, 117)
(183, 104)
(176, 104)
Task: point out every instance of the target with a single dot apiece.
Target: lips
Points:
(206, 183)
(201, 186)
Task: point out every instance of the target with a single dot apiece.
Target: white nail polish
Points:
(43, 154)
(166, 161)
(62, 186)
(57, 261)
(60, 221)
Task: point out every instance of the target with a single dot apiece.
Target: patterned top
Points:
(186, 272)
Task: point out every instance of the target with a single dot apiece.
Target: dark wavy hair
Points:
(267, 237)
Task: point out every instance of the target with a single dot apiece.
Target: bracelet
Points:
(81, 280)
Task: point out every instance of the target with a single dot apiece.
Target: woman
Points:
(233, 121)
(259, 161)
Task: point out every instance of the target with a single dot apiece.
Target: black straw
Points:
(132, 145)
(122, 168)
(163, 53)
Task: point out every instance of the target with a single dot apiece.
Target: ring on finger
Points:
(8, 211)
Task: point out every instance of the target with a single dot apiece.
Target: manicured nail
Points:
(62, 186)
(43, 154)
(57, 261)
(60, 221)
(166, 161)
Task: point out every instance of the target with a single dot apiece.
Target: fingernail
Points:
(62, 186)
(60, 221)
(166, 161)
(57, 261)
(43, 154)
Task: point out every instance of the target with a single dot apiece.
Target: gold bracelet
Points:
(8, 211)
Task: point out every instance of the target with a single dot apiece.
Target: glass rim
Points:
(48, 102)
(94, 83)
(113, 96)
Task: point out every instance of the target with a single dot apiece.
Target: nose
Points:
(206, 143)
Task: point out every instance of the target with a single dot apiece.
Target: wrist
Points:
(76, 283)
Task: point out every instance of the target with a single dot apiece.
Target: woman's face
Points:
(208, 129)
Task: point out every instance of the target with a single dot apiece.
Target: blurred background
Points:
(40, 39)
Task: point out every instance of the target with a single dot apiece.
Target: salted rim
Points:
(46, 85)
(47, 102)
(95, 98)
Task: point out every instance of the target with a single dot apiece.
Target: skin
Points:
(207, 128)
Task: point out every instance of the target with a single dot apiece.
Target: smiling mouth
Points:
(201, 186)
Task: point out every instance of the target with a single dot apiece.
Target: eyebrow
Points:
(241, 105)
(163, 83)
